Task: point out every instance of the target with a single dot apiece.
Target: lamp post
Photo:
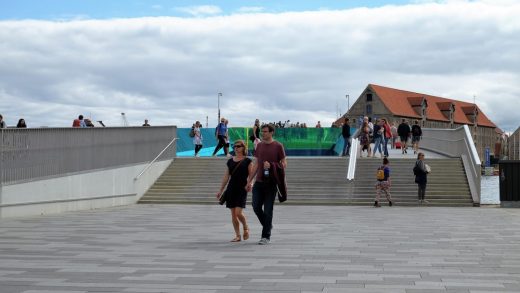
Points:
(218, 106)
(348, 103)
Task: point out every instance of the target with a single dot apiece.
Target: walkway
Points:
(396, 153)
(181, 248)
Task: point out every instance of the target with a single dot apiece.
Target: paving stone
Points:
(183, 248)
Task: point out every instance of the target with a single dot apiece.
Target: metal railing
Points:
(514, 146)
(351, 172)
(39, 153)
(457, 143)
(155, 159)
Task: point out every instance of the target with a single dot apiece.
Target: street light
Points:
(218, 99)
(348, 102)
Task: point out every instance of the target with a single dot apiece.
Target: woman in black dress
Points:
(239, 169)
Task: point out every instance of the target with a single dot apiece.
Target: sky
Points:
(166, 61)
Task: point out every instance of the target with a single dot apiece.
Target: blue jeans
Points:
(346, 147)
(378, 141)
(385, 145)
(264, 195)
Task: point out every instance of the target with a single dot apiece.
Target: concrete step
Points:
(319, 202)
(315, 181)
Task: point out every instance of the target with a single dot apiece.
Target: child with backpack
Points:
(383, 183)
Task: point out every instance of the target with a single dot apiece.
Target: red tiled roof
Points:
(398, 102)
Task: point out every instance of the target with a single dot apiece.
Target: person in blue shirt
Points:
(383, 184)
(221, 136)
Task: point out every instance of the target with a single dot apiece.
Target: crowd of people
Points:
(380, 134)
(287, 124)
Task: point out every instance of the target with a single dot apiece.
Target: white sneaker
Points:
(263, 241)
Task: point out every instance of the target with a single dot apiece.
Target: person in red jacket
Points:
(387, 136)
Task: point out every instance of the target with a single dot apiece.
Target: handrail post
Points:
(155, 159)
(352, 159)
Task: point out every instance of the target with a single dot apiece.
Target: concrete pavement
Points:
(183, 248)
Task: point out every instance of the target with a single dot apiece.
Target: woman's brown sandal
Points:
(236, 239)
(246, 233)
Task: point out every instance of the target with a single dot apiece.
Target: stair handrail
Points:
(351, 171)
(474, 164)
(155, 159)
(457, 143)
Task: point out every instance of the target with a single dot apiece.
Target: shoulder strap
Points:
(236, 167)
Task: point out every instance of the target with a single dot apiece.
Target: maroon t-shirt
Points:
(270, 152)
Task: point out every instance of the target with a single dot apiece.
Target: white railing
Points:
(155, 159)
(457, 143)
(353, 159)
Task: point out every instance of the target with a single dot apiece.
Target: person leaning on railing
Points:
(21, 123)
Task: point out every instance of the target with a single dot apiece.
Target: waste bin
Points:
(509, 172)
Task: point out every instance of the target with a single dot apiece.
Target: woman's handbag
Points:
(222, 199)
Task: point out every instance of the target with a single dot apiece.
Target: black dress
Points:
(236, 194)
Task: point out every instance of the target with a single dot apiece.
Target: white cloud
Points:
(295, 66)
(202, 10)
(251, 9)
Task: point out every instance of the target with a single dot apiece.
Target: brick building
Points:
(431, 111)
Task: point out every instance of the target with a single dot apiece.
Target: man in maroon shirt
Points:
(269, 154)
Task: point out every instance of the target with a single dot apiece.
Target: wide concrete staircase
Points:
(316, 181)
(310, 180)
(447, 183)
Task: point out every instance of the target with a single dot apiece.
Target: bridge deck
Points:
(396, 153)
(182, 248)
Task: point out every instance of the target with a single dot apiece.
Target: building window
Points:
(369, 109)
(369, 97)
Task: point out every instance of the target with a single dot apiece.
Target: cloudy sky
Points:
(168, 60)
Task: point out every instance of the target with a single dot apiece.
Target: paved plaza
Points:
(182, 248)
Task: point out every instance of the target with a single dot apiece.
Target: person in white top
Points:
(197, 138)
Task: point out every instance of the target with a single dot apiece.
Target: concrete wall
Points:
(90, 190)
